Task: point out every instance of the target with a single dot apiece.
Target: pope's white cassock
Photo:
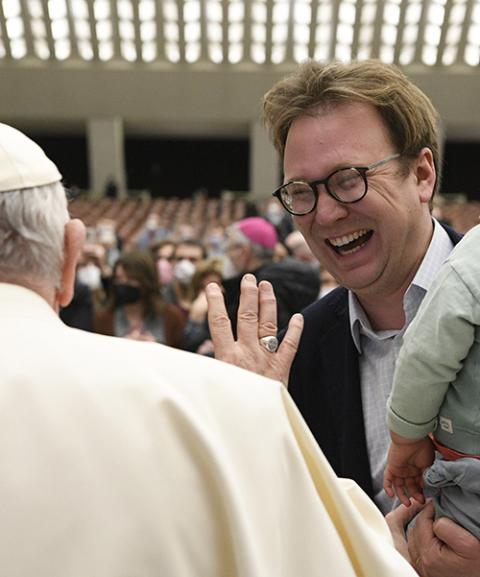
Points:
(130, 459)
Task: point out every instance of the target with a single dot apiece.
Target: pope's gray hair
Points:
(32, 222)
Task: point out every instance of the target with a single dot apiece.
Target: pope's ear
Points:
(74, 239)
(425, 174)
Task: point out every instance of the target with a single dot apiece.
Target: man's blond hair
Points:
(409, 115)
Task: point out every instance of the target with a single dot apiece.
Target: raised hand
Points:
(257, 318)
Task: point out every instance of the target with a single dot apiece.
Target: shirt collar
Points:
(438, 250)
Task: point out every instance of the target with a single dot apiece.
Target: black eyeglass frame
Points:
(362, 170)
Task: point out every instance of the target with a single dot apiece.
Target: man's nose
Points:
(328, 209)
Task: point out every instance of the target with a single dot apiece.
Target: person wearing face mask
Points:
(136, 309)
(187, 254)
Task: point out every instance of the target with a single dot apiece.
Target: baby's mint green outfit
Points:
(437, 381)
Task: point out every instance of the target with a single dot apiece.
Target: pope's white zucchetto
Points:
(23, 164)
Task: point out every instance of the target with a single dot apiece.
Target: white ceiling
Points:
(231, 32)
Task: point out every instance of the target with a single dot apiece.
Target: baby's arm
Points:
(407, 458)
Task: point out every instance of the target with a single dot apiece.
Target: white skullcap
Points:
(23, 164)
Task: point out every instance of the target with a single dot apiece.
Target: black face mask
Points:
(126, 294)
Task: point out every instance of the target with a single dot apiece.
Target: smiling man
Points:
(360, 146)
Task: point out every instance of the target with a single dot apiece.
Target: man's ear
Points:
(425, 174)
(74, 239)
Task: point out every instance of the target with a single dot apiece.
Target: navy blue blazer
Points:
(325, 384)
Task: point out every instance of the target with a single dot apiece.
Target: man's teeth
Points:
(343, 240)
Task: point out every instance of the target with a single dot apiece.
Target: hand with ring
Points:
(256, 347)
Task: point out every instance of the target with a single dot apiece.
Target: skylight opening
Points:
(214, 11)
(279, 33)
(146, 10)
(407, 54)
(343, 52)
(347, 13)
(82, 29)
(57, 9)
(449, 55)
(413, 13)
(387, 53)
(302, 13)
(38, 28)
(15, 28)
(300, 53)
(436, 14)
(79, 9)
(191, 11)
(259, 33)
(172, 52)
(391, 14)
(236, 12)
(148, 31)
(101, 9)
(85, 49)
(364, 52)
(171, 32)
(125, 10)
(259, 12)
(18, 48)
(128, 50)
(432, 34)
(105, 51)
(389, 35)
(472, 55)
(281, 13)
(192, 52)
(62, 49)
(192, 32)
(214, 33)
(366, 35)
(369, 12)
(41, 49)
(278, 53)
(11, 8)
(429, 55)
(258, 53)
(149, 51)
(216, 53)
(170, 11)
(235, 53)
(104, 30)
(457, 14)
(301, 34)
(324, 13)
(126, 30)
(344, 36)
(235, 33)
(60, 29)
(35, 8)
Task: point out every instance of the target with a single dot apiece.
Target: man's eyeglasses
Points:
(346, 185)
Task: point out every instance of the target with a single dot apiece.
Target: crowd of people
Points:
(153, 287)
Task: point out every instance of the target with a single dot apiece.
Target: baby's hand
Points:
(407, 460)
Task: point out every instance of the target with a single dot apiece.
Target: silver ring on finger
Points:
(269, 343)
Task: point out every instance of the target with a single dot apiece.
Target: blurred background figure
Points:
(281, 220)
(136, 309)
(163, 255)
(196, 336)
(152, 232)
(299, 249)
(250, 248)
(327, 282)
(185, 258)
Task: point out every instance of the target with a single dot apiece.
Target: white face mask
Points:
(184, 271)
(90, 275)
(228, 269)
